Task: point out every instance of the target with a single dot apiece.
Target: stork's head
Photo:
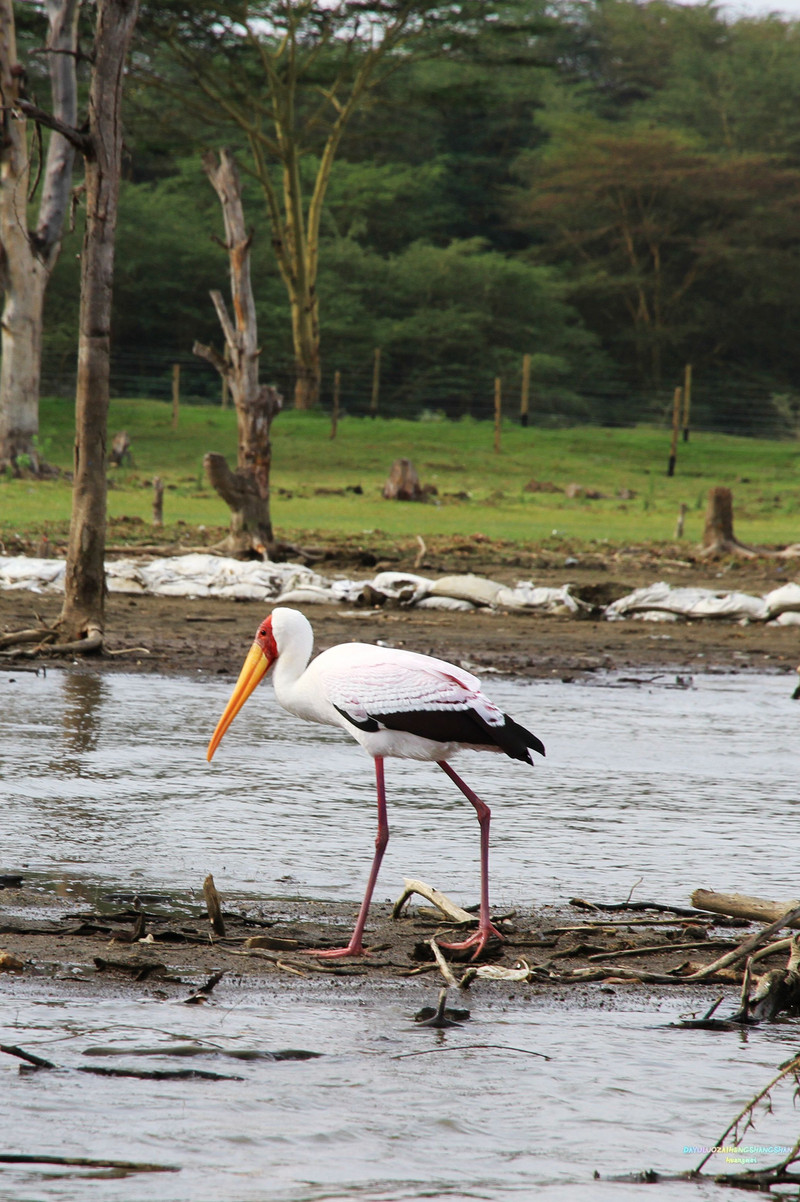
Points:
(260, 659)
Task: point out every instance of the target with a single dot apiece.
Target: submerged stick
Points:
(11, 1049)
(88, 1162)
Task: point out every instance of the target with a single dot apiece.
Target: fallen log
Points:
(739, 905)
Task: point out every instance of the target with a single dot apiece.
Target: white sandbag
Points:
(405, 587)
(785, 599)
(688, 603)
(453, 604)
(528, 596)
(310, 595)
(476, 589)
(37, 575)
(789, 617)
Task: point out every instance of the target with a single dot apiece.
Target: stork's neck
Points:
(295, 642)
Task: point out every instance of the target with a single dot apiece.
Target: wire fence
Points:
(731, 403)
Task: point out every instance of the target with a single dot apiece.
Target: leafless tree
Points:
(246, 490)
(28, 256)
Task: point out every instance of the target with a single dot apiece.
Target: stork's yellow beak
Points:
(253, 670)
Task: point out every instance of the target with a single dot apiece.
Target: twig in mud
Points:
(780, 945)
(658, 947)
(202, 994)
(469, 1047)
(634, 887)
(444, 967)
(621, 924)
(255, 954)
(213, 906)
(581, 976)
(614, 907)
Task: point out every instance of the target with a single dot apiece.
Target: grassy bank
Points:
(478, 490)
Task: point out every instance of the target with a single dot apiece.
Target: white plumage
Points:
(395, 703)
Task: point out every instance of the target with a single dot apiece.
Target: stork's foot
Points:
(335, 953)
(478, 940)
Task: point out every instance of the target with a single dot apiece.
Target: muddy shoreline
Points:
(164, 634)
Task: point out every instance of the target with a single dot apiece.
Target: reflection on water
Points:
(106, 791)
(83, 698)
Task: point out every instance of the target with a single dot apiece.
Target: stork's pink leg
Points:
(485, 929)
(355, 947)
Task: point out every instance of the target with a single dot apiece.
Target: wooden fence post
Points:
(498, 411)
(337, 377)
(687, 399)
(158, 501)
(176, 393)
(526, 385)
(376, 383)
(676, 423)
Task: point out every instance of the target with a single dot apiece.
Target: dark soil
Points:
(163, 634)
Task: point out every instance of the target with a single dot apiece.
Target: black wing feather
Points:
(455, 726)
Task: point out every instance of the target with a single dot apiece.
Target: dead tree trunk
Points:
(718, 536)
(84, 587)
(246, 490)
(28, 256)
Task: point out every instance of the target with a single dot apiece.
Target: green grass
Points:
(456, 457)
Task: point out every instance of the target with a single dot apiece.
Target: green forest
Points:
(610, 187)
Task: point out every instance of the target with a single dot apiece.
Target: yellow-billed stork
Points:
(392, 702)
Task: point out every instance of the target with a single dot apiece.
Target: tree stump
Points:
(403, 483)
(158, 501)
(718, 536)
(120, 449)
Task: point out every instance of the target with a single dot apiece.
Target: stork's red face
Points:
(260, 659)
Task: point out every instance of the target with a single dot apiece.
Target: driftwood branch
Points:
(11, 645)
(449, 909)
(744, 949)
(739, 905)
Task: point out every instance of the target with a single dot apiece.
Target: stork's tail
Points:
(516, 741)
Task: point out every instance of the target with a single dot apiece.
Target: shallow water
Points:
(106, 782)
(106, 789)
